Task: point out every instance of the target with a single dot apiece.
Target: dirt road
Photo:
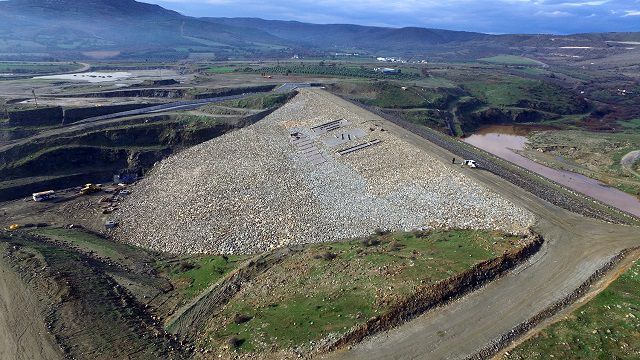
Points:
(576, 247)
(87, 124)
(23, 334)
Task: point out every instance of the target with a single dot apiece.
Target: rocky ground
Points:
(253, 189)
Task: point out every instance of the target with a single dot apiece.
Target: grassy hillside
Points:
(329, 288)
(511, 60)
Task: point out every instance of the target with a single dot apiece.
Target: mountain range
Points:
(126, 29)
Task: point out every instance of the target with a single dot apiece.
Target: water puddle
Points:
(502, 140)
(92, 77)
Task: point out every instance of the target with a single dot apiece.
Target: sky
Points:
(489, 16)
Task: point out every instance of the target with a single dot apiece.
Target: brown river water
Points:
(501, 140)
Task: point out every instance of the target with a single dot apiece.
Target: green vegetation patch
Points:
(395, 95)
(86, 241)
(259, 102)
(330, 288)
(339, 70)
(192, 274)
(98, 246)
(511, 60)
(514, 91)
(221, 69)
(17, 67)
(432, 118)
(607, 327)
(630, 126)
(391, 95)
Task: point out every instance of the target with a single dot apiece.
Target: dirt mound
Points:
(318, 169)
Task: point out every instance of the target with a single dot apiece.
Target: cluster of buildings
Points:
(391, 60)
(388, 71)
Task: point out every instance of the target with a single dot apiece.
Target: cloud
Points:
(556, 13)
(494, 16)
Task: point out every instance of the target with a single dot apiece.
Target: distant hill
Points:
(127, 29)
(66, 28)
(344, 36)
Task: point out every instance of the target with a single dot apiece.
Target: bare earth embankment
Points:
(23, 331)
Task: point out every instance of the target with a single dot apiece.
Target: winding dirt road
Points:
(576, 247)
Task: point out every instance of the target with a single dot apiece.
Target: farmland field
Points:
(11, 67)
(221, 69)
(333, 70)
(511, 60)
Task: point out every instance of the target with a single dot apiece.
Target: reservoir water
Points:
(504, 140)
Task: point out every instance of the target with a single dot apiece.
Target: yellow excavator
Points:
(89, 189)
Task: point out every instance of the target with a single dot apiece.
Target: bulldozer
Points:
(89, 189)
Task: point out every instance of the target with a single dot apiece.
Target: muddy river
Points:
(502, 140)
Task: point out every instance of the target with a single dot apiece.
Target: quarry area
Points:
(319, 169)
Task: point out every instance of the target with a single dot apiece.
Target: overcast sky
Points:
(492, 16)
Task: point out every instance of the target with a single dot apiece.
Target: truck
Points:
(44, 195)
(470, 163)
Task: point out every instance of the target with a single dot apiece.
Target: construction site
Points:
(288, 220)
(318, 169)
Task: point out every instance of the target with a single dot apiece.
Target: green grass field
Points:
(630, 126)
(36, 67)
(607, 327)
(514, 91)
(330, 288)
(511, 60)
(100, 247)
(221, 69)
(332, 70)
(258, 102)
(391, 95)
(192, 274)
(89, 242)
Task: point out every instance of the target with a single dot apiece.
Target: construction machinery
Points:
(90, 189)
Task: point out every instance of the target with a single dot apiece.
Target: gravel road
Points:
(254, 189)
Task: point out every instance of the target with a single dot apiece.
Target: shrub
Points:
(186, 266)
(396, 246)
(241, 318)
(235, 342)
(371, 241)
